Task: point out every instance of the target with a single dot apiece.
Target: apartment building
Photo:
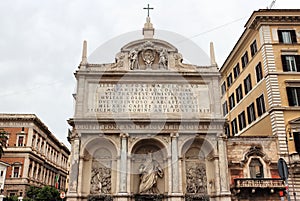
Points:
(36, 157)
(260, 88)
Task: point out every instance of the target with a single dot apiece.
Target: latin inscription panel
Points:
(141, 98)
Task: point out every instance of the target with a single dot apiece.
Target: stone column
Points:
(174, 159)
(223, 168)
(74, 167)
(123, 163)
(41, 173)
(37, 171)
(81, 173)
(32, 170)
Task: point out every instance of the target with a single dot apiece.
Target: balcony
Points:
(259, 183)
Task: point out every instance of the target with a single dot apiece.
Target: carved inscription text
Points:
(149, 98)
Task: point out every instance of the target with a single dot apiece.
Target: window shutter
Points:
(284, 63)
(297, 57)
(297, 141)
(280, 36)
(290, 96)
(258, 105)
(293, 36)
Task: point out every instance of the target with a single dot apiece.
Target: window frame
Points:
(239, 93)
(18, 140)
(245, 59)
(18, 172)
(225, 108)
(229, 80)
(231, 101)
(290, 66)
(251, 113)
(293, 95)
(234, 128)
(242, 120)
(291, 34)
(252, 167)
(223, 88)
(258, 72)
(260, 105)
(253, 48)
(236, 71)
(296, 136)
(247, 84)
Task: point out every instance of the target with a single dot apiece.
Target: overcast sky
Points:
(41, 43)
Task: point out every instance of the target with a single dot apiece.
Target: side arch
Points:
(98, 158)
(198, 167)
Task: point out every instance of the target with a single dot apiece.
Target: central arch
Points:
(144, 152)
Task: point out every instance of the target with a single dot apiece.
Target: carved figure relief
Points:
(163, 59)
(133, 59)
(100, 179)
(196, 179)
(150, 170)
(119, 61)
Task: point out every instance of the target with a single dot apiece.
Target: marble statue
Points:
(150, 171)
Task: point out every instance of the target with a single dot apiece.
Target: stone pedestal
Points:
(144, 197)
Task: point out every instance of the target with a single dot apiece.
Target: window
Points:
(239, 93)
(234, 127)
(293, 94)
(242, 120)
(229, 80)
(297, 141)
(245, 59)
(20, 140)
(260, 104)
(256, 168)
(227, 131)
(236, 70)
(258, 71)
(231, 101)
(1, 173)
(225, 108)
(251, 113)
(287, 36)
(253, 48)
(290, 63)
(247, 84)
(223, 88)
(16, 171)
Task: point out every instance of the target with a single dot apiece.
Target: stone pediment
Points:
(150, 54)
(295, 121)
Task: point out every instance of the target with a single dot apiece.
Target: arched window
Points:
(256, 168)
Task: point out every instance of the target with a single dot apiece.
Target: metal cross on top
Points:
(148, 8)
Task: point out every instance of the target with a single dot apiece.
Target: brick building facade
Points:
(36, 156)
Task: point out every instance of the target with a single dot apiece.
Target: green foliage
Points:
(32, 192)
(46, 193)
(11, 198)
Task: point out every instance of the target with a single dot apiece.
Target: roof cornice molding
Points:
(272, 20)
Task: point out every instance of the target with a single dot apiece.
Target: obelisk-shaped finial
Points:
(84, 53)
(212, 55)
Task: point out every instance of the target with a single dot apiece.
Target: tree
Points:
(46, 193)
(3, 139)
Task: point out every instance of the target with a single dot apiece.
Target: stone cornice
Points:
(273, 20)
(32, 118)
